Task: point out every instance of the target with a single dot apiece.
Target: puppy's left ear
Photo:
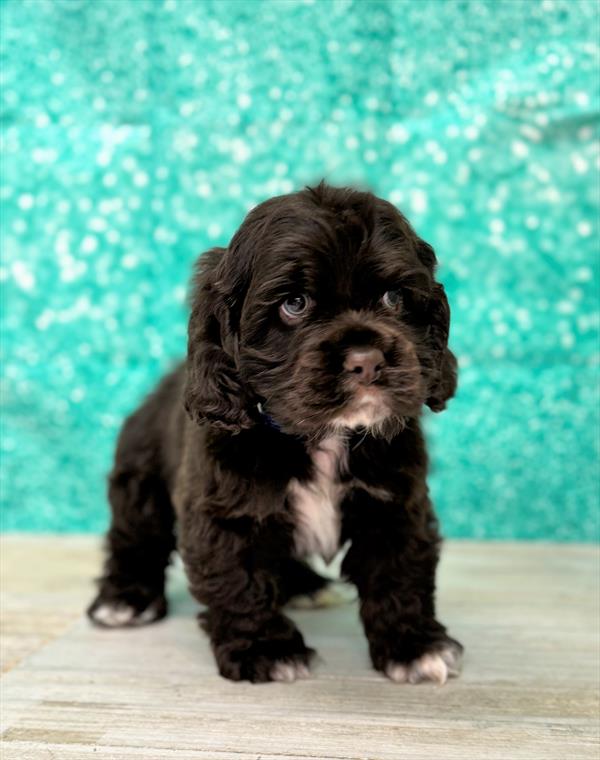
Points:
(443, 372)
(443, 366)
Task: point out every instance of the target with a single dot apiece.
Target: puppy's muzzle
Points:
(364, 365)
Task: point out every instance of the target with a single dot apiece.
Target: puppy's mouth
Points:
(380, 408)
(367, 407)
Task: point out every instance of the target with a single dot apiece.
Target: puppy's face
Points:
(335, 328)
(338, 321)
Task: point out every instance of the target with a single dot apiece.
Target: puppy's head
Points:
(325, 311)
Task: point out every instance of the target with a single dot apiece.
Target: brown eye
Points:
(392, 299)
(295, 306)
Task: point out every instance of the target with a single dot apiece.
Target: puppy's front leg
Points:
(235, 567)
(392, 561)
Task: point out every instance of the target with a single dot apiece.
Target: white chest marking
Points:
(316, 502)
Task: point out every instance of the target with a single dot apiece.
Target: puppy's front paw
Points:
(289, 671)
(256, 666)
(437, 665)
(256, 648)
(127, 612)
(262, 660)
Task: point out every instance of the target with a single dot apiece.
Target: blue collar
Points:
(267, 419)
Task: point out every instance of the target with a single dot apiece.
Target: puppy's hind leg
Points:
(140, 542)
(306, 589)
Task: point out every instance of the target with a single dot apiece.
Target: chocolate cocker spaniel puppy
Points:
(293, 429)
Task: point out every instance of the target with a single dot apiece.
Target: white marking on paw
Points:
(120, 615)
(434, 666)
(113, 615)
(287, 672)
(147, 616)
(332, 595)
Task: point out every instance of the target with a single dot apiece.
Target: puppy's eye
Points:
(392, 299)
(295, 306)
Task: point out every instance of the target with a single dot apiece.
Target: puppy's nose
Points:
(365, 363)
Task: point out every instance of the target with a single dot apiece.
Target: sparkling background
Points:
(137, 133)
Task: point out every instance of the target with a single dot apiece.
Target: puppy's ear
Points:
(426, 255)
(442, 384)
(443, 366)
(213, 391)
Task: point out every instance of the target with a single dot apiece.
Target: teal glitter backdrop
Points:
(136, 133)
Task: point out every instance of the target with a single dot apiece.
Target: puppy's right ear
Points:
(213, 391)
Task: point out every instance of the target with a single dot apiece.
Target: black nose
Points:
(365, 363)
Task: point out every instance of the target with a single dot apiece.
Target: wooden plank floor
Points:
(527, 614)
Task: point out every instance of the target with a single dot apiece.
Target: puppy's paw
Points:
(437, 665)
(263, 661)
(119, 613)
(332, 595)
(288, 671)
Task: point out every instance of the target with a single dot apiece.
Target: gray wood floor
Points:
(527, 614)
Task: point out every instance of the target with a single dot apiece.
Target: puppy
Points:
(293, 429)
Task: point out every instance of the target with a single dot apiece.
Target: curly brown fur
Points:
(286, 431)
